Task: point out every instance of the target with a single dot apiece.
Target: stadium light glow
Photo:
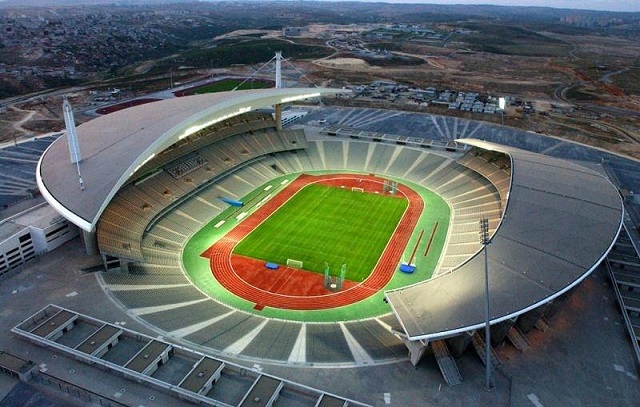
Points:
(143, 163)
(300, 97)
(195, 129)
(502, 103)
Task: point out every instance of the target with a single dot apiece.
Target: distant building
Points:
(446, 96)
(383, 84)
(31, 233)
(294, 31)
(426, 94)
(478, 107)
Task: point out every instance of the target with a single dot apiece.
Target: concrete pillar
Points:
(90, 243)
(500, 330)
(527, 321)
(278, 116)
(417, 350)
(115, 264)
(555, 305)
(458, 344)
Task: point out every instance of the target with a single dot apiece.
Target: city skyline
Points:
(596, 5)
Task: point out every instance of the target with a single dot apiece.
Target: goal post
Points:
(356, 189)
(327, 276)
(390, 186)
(296, 264)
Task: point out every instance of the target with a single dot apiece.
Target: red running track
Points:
(220, 253)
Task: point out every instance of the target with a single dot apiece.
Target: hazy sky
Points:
(610, 5)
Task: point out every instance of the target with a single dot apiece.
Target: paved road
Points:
(584, 358)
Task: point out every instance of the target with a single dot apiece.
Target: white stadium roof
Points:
(560, 222)
(114, 146)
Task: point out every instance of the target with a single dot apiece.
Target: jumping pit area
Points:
(321, 220)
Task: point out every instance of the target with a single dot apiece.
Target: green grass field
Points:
(199, 270)
(327, 224)
(230, 84)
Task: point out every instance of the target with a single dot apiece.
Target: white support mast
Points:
(72, 138)
(278, 107)
(278, 69)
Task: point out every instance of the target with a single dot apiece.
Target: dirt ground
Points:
(536, 79)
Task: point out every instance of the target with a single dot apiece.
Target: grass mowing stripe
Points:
(326, 224)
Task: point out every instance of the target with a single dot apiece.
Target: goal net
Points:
(296, 264)
(356, 189)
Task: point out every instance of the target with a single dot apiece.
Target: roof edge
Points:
(63, 210)
(244, 103)
(456, 331)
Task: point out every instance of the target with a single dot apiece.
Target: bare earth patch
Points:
(343, 63)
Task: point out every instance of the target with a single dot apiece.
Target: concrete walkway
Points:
(584, 358)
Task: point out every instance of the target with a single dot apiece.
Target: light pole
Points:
(502, 103)
(485, 240)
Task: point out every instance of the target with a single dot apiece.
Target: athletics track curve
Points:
(219, 254)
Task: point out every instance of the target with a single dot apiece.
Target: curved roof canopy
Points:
(114, 146)
(560, 221)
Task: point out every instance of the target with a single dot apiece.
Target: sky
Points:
(608, 5)
(605, 5)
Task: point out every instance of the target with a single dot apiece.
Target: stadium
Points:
(225, 232)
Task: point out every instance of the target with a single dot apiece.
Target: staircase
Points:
(447, 365)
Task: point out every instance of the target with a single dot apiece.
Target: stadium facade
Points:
(552, 221)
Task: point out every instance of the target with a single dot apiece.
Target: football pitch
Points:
(327, 225)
